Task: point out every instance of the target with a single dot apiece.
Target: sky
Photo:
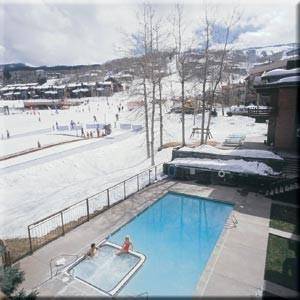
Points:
(65, 32)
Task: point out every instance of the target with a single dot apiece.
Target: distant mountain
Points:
(24, 67)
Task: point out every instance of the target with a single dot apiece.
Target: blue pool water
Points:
(177, 234)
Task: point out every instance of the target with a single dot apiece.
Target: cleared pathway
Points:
(79, 149)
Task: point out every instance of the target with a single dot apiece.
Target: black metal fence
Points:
(57, 224)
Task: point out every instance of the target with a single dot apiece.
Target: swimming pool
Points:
(177, 234)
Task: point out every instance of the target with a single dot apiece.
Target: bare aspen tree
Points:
(207, 30)
(159, 82)
(182, 57)
(234, 18)
(145, 75)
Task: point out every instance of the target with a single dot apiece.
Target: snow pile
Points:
(242, 152)
(288, 79)
(281, 72)
(232, 165)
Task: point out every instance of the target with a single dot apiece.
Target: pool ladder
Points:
(231, 222)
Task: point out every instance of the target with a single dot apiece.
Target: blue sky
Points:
(54, 32)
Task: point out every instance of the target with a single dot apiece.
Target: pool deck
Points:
(236, 266)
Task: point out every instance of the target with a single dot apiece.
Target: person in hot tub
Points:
(92, 251)
(127, 245)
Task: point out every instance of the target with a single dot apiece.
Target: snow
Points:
(38, 184)
(288, 79)
(281, 72)
(234, 152)
(232, 165)
(80, 90)
(12, 104)
(30, 142)
(51, 92)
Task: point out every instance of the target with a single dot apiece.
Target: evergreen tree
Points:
(10, 278)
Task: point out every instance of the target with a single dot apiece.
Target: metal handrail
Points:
(81, 201)
(53, 258)
(86, 202)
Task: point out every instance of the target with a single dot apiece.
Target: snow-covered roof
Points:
(251, 153)
(232, 165)
(7, 88)
(51, 92)
(288, 79)
(74, 84)
(80, 90)
(105, 83)
(281, 72)
(89, 83)
(62, 86)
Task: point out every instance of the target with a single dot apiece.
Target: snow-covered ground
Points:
(35, 185)
(251, 153)
(231, 165)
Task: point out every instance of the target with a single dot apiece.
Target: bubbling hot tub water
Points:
(106, 270)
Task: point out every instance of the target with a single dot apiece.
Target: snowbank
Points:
(243, 152)
(288, 79)
(232, 165)
(281, 72)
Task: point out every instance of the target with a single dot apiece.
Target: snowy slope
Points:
(43, 182)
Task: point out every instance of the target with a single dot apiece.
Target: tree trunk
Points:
(146, 119)
(152, 124)
(208, 125)
(209, 118)
(182, 113)
(160, 115)
(222, 104)
(203, 119)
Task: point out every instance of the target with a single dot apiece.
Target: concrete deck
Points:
(236, 267)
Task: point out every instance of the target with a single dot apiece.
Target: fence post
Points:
(149, 176)
(138, 182)
(29, 237)
(108, 203)
(87, 209)
(62, 222)
(155, 170)
(124, 189)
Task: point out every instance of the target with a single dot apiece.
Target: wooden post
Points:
(62, 223)
(149, 176)
(30, 242)
(108, 203)
(124, 189)
(155, 170)
(87, 209)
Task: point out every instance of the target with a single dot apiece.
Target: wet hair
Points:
(93, 245)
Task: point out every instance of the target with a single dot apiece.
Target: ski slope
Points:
(40, 183)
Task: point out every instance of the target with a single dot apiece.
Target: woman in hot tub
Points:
(127, 245)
